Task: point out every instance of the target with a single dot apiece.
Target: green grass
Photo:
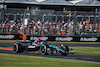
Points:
(86, 50)
(8, 40)
(24, 61)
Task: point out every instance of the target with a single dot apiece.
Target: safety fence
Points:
(50, 22)
(26, 38)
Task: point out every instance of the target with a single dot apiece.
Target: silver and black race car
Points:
(43, 47)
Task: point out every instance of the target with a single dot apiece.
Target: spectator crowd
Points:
(50, 28)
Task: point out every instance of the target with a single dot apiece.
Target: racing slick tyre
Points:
(43, 50)
(18, 48)
(49, 51)
(66, 49)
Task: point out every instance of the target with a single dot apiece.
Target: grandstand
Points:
(50, 17)
(57, 5)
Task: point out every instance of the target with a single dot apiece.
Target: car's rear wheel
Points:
(18, 48)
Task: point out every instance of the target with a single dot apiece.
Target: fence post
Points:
(25, 13)
(14, 17)
(69, 19)
(62, 17)
(89, 18)
(82, 18)
(98, 34)
(43, 18)
(56, 19)
(20, 17)
(74, 20)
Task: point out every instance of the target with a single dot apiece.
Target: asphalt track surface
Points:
(69, 56)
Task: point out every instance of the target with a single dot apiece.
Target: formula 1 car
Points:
(42, 47)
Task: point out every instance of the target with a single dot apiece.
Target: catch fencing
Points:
(63, 23)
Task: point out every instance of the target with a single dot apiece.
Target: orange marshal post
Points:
(24, 37)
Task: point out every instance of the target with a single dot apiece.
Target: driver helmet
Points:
(35, 41)
(61, 45)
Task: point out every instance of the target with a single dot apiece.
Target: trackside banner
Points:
(9, 36)
(48, 38)
(65, 38)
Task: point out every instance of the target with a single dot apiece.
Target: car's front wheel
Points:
(66, 49)
(43, 50)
